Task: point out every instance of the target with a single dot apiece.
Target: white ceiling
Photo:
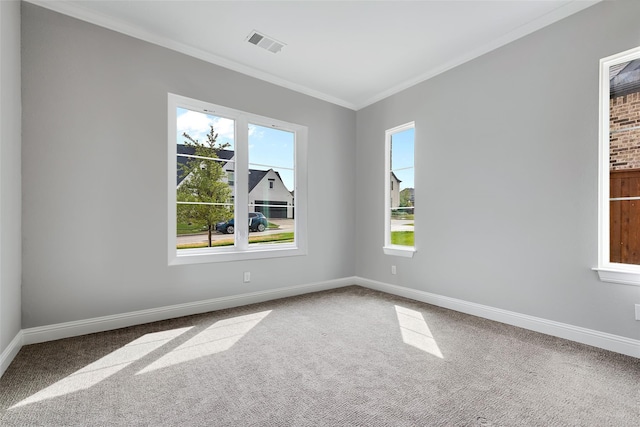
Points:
(351, 53)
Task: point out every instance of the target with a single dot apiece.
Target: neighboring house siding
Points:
(278, 195)
(395, 191)
(259, 187)
(227, 166)
(624, 116)
(624, 147)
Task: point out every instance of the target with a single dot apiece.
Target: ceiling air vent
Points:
(265, 42)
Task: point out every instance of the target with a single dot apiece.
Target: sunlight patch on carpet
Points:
(416, 332)
(219, 337)
(105, 367)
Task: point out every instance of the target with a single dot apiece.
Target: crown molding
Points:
(77, 11)
(557, 14)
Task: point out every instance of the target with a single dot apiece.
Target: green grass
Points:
(204, 245)
(185, 228)
(272, 238)
(269, 238)
(402, 238)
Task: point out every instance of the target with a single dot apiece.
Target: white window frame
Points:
(389, 248)
(608, 271)
(241, 249)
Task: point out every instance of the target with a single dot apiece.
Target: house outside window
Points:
(222, 167)
(619, 182)
(399, 225)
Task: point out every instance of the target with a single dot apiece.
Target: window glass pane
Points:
(192, 228)
(401, 184)
(402, 149)
(204, 190)
(204, 203)
(271, 147)
(624, 162)
(197, 125)
(271, 186)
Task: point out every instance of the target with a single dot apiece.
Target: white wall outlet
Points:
(393, 269)
(247, 277)
(637, 311)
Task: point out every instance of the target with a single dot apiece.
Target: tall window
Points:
(619, 188)
(232, 181)
(399, 191)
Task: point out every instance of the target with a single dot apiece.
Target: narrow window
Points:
(400, 191)
(619, 212)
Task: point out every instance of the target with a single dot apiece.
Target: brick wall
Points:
(624, 147)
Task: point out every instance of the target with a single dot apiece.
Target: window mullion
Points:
(241, 208)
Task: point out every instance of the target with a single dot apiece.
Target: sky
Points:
(268, 147)
(402, 157)
(274, 148)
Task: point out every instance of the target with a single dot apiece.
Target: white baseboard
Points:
(590, 337)
(70, 329)
(10, 352)
(106, 323)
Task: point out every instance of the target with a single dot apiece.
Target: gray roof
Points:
(186, 149)
(625, 80)
(255, 175)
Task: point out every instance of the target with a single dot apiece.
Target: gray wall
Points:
(95, 174)
(506, 177)
(10, 193)
(506, 187)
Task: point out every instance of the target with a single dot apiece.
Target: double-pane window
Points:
(237, 184)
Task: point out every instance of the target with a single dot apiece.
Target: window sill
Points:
(188, 256)
(622, 275)
(402, 251)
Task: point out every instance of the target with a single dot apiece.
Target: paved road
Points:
(285, 226)
(402, 225)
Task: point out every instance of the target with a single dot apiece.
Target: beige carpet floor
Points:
(351, 357)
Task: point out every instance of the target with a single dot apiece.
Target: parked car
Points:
(257, 222)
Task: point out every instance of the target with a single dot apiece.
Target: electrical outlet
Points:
(247, 277)
(393, 269)
(637, 311)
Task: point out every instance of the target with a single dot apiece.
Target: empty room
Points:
(320, 213)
